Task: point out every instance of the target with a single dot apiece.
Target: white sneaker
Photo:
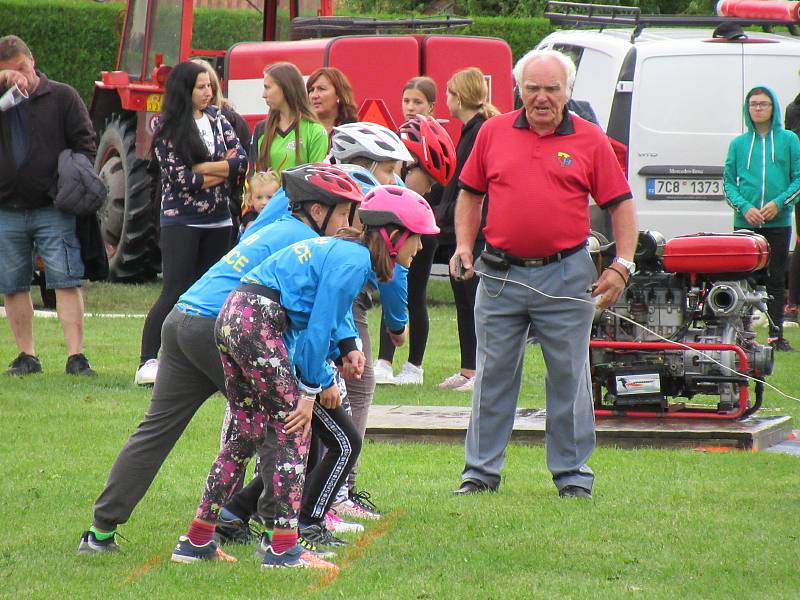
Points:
(383, 372)
(146, 375)
(467, 385)
(453, 382)
(409, 375)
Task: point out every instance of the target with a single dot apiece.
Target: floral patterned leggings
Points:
(260, 388)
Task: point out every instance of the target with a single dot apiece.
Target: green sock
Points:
(100, 535)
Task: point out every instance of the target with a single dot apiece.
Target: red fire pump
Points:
(697, 297)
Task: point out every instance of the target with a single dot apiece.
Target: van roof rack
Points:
(317, 27)
(576, 14)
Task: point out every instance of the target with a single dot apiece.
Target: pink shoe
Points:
(338, 525)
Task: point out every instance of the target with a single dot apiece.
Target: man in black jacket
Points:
(32, 134)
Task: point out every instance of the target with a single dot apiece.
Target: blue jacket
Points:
(394, 294)
(318, 279)
(208, 294)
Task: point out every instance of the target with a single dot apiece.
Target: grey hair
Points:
(566, 62)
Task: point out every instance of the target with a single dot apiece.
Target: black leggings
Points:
(464, 295)
(186, 253)
(774, 276)
(418, 323)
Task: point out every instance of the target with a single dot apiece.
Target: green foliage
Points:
(522, 34)
(74, 40)
(71, 41)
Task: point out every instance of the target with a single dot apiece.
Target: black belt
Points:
(534, 262)
(261, 290)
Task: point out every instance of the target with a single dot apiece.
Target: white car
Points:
(674, 98)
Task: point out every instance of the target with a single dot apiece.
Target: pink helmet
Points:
(395, 205)
(431, 145)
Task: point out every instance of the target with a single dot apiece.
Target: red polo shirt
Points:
(539, 186)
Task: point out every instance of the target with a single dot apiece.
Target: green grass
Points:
(663, 524)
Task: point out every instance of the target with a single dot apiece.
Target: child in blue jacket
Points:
(305, 290)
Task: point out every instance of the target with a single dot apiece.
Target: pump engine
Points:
(696, 297)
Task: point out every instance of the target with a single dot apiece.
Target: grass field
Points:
(663, 524)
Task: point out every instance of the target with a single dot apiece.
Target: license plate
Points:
(677, 188)
(154, 102)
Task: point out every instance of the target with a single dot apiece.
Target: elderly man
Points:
(32, 134)
(539, 165)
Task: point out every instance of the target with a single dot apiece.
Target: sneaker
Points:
(24, 364)
(409, 375)
(780, 344)
(357, 506)
(467, 386)
(146, 374)
(77, 364)
(186, 552)
(319, 535)
(453, 382)
(234, 531)
(264, 543)
(295, 557)
(336, 524)
(383, 372)
(91, 545)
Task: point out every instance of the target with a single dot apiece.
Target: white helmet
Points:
(368, 140)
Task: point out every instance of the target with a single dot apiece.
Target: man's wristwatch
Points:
(629, 265)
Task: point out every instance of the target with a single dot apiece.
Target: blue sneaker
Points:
(295, 558)
(186, 552)
(91, 545)
(263, 547)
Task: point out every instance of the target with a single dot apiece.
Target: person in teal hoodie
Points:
(762, 185)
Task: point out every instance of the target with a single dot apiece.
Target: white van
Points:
(674, 98)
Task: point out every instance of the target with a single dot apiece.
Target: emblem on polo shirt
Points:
(565, 159)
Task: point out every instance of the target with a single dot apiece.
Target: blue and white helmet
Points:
(363, 177)
(367, 140)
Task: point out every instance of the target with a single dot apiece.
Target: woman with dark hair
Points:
(290, 135)
(242, 132)
(331, 97)
(197, 152)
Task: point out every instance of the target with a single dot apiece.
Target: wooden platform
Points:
(449, 424)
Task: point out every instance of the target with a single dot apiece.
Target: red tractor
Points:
(157, 34)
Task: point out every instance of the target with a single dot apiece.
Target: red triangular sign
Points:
(373, 110)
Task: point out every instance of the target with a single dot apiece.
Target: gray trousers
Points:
(361, 391)
(189, 372)
(504, 312)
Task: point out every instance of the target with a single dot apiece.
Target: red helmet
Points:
(428, 141)
(395, 205)
(320, 182)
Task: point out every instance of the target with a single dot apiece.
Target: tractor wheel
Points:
(127, 219)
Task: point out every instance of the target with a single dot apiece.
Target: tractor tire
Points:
(127, 218)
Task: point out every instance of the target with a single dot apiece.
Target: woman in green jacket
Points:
(290, 135)
(762, 185)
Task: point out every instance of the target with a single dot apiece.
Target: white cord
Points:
(650, 331)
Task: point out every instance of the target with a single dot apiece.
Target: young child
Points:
(262, 187)
(291, 305)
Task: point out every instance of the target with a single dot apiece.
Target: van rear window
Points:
(689, 94)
